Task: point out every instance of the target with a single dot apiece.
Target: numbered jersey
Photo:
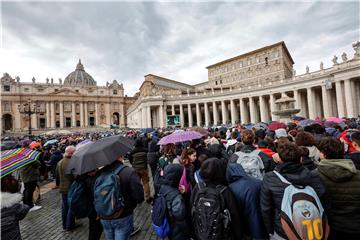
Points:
(302, 215)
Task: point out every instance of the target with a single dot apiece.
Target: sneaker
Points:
(135, 231)
(34, 208)
(73, 228)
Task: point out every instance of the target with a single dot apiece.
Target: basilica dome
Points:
(79, 77)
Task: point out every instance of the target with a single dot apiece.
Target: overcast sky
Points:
(125, 41)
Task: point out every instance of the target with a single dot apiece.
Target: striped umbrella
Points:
(15, 159)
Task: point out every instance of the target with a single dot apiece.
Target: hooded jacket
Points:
(342, 182)
(138, 157)
(175, 202)
(12, 211)
(355, 157)
(272, 191)
(213, 172)
(246, 190)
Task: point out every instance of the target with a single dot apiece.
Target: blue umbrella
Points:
(51, 142)
(147, 130)
(306, 122)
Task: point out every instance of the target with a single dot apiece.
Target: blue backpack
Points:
(78, 200)
(160, 218)
(107, 193)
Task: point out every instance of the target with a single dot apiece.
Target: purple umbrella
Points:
(180, 137)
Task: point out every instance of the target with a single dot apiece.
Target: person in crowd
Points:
(68, 219)
(306, 161)
(248, 139)
(319, 133)
(230, 145)
(213, 173)
(263, 146)
(29, 176)
(342, 182)
(175, 203)
(282, 134)
(12, 210)
(188, 157)
(138, 159)
(55, 157)
(153, 154)
(260, 135)
(121, 224)
(307, 140)
(272, 189)
(355, 155)
(246, 190)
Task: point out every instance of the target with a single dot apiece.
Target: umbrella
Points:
(335, 120)
(26, 142)
(200, 130)
(51, 142)
(15, 159)
(180, 137)
(6, 145)
(34, 144)
(100, 153)
(306, 122)
(83, 143)
(147, 130)
(261, 125)
(276, 125)
(297, 118)
(329, 124)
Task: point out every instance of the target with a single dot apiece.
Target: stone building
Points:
(244, 89)
(75, 102)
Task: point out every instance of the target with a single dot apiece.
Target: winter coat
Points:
(175, 202)
(246, 191)
(65, 179)
(138, 158)
(12, 211)
(31, 172)
(268, 162)
(55, 158)
(213, 172)
(355, 157)
(272, 191)
(342, 182)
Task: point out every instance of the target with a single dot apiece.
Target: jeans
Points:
(68, 219)
(118, 229)
(29, 189)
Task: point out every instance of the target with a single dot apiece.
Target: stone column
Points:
(232, 111)
(34, 122)
(198, 115)
(262, 109)
(252, 110)
(86, 115)
(173, 109)
(148, 116)
(224, 112)
(215, 113)
(325, 101)
(73, 115)
(349, 99)
(181, 115)
(311, 103)
(161, 116)
(61, 104)
(52, 109)
(190, 115)
(340, 99)
(122, 115)
(48, 115)
(207, 115)
(273, 107)
(17, 116)
(242, 111)
(82, 114)
(97, 114)
(297, 98)
(107, 113)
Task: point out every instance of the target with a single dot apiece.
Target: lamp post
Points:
(29, 109)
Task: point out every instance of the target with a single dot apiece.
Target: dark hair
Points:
(305, 139)
(234, 135)
(355, 137)
(289, 152)
(169, 149)
(184, 159)
(263, 144)
(247, 137)
(304, 151)
(331, 148)
(9, 184)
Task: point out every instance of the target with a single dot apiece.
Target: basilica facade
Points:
(245, 89)
(76, 102)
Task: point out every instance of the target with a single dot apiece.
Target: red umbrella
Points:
(35, 144)
(276, 125)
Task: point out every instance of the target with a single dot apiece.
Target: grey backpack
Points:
(252, 163)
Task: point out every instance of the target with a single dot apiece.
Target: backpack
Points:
(78, 199)
(159, 173)
(252, 163)
(302, 216)
(230, 150)
(107, 193)
(211, 219)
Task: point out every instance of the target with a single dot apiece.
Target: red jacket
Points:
(267, 151)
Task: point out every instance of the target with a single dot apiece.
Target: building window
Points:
(215, 82)
(6, 88)
(266, 60)
(76, 90)
(101, 92)
(115, 92)
(56, 90)
(26, 89)
(40, 90)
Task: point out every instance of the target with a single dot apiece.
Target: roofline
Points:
(254, 51)
(167, 79)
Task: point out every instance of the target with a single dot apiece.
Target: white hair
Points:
(69, 151)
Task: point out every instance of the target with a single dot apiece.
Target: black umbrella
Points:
(100, 153)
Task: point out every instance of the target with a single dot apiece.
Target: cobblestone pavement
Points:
(46, 222)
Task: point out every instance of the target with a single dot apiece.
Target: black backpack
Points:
(211, 218)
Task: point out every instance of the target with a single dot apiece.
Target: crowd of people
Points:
(237, 182)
